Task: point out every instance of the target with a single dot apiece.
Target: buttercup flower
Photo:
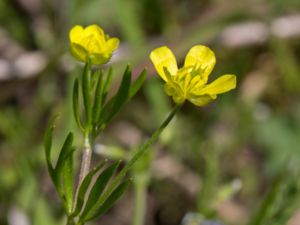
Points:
(190, 82)
(92, 43)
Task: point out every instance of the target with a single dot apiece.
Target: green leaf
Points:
(64, 173)
(68, 179)
(125, 93)
(137, 84)
(84, 187)
(110, 201)
(120, 98)
(106, 110)
(76, 109)
(107, 83)
(63, 155)
(86, 93)
(98, 188)
(98, 98)
(48, 146)
(94, 78)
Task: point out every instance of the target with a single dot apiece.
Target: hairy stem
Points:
(86, 158)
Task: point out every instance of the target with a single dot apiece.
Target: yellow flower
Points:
(92, 43)
(190, 82)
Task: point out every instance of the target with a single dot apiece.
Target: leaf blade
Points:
(98, 98)
(99, 187)
(86, 88)
(68, 178)
(76, 109)
(110, 201)
(84, 186)
(137, 84)
(48, 146)
(120, 98)
(107, 83)
(65, 150)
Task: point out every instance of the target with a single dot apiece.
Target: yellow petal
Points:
(93, 39)
(162, 58)
(222, 84)
(202, 58)
(76, 34)
(91, 42)
(112, 44)
(93, 30)
(79, 52)
(200, 100)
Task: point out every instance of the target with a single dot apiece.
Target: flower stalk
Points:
(139, 204)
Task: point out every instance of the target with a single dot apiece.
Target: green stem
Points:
(86, 93)
(85, 163)
(149, 142)
(139, 204)
(136, 156)
(70, 221)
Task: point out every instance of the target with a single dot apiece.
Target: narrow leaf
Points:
(98, 98)
(68, 178)
(123, 91)
(106, 111)
(98, 187)
(107, 83)
(112, 106)
(84, 187)
(86, 90)
(110, 201)
(64, 153)
(48, 146)
(121, 96)
(94, 78)
(76, 109)
(137, 84)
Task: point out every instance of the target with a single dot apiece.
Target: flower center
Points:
(188, 80)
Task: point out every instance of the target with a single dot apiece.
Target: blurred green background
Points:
(236, 161)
